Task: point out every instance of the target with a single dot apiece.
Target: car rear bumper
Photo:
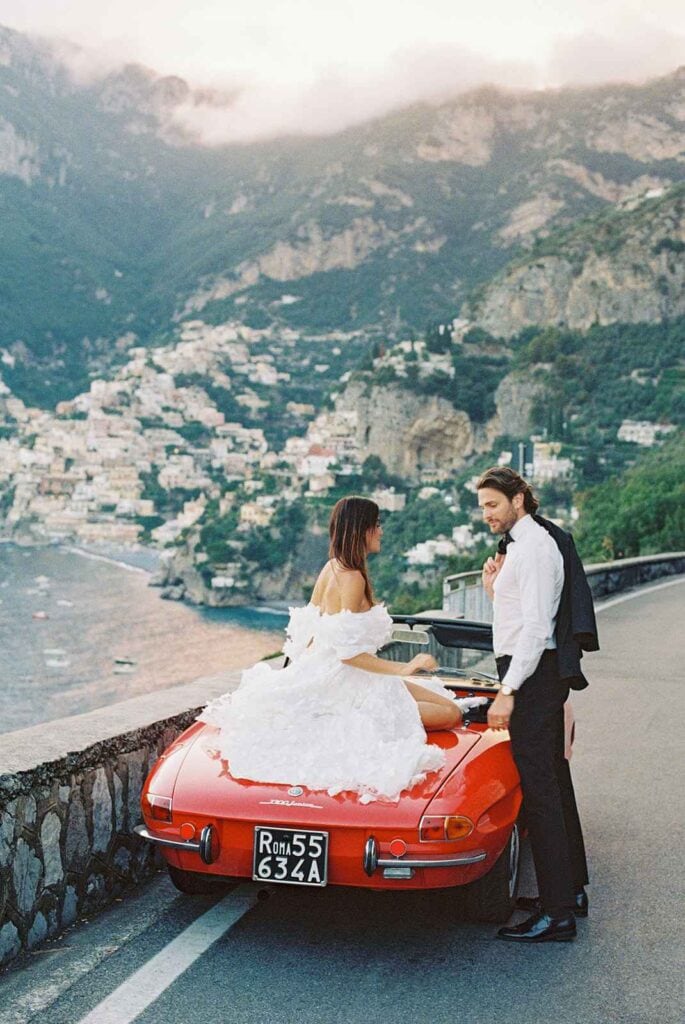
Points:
(372, 860)
(204, 847)
(358, 860)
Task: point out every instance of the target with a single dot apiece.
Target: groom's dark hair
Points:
(509, 482)
(350, 520)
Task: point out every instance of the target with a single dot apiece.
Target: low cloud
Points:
(340, 97)
(629, 54)
(324, 101)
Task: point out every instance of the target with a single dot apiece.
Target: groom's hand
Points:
(491, 570)
(499, 712)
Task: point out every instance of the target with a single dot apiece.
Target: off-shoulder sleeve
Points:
(353, 633)
(299, 631)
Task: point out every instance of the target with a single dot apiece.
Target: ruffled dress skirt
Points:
(322, 724)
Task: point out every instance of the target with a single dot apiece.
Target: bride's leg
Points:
(436, 711)
(437, 716)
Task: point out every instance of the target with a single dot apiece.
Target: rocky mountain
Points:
(118, 222)
(413, 433)
(621, 266)
(607, 292)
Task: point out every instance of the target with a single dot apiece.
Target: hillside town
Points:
(148, 455)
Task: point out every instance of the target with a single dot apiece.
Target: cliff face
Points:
(626, 267)
(514, 398)
(413, 434)
(181, 580)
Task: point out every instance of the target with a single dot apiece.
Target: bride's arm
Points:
(372, 663)
(352, 597)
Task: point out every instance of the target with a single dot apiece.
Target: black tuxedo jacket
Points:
(576, 628)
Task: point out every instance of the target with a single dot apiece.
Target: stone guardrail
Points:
(69, 798)
(464, 597)
(70, 790)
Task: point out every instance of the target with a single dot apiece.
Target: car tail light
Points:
(440, 827)
(457, 826)
(159, 807)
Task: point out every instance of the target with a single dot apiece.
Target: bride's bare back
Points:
(338, 588)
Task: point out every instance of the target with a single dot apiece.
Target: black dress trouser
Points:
(537, 743)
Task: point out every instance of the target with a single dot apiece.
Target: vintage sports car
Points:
(459, 829)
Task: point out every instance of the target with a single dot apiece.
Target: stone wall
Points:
(69, 798)
(611, 577)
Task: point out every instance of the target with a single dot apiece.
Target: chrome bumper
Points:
(203, 847)
(372, 860)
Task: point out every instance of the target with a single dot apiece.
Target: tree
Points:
(640, 512)
(438, 338)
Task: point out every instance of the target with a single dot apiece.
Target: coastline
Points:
(144, 561)
(141, 560)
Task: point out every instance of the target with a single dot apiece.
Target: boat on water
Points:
(124, 666)
(54, 652)
(57, 663)
(40, 615)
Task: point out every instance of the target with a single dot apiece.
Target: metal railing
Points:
(463, 595)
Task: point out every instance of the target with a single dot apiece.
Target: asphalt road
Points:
(341, 957)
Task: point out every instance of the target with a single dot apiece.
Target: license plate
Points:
(293, 856)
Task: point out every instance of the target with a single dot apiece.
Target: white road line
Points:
(127, 1001)
(638, 593)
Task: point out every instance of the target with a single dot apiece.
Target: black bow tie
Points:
(504, 542)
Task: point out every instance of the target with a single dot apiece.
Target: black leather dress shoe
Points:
(580, 903)
(541, 928)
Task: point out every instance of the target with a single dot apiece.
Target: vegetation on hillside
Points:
(596, 379)
(641, 512)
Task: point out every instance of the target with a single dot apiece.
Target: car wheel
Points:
(193, 883)
(492, 897)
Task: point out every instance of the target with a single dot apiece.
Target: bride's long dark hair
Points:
(350, 520)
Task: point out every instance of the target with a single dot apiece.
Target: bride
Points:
(337, 718)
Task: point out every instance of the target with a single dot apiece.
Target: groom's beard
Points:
(504, 525)
(507, 527)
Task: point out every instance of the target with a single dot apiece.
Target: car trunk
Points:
(204, 787)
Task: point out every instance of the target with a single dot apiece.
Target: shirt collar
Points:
(521, 526)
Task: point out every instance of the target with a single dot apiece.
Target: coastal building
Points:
(643, 432)
(463, 536)
(548, 464)
(428, 551)
(254, 514)
(321, 485)
(316, 462)
(389, 500)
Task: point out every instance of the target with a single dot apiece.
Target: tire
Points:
(193, 883)
(492, 897)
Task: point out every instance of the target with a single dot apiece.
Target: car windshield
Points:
(462, 649)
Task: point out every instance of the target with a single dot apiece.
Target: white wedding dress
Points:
(321, 724)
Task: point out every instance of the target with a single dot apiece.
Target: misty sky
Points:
(318, 65)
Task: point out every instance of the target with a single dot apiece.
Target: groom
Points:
(543, 619)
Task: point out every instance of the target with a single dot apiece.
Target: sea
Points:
(81, 630)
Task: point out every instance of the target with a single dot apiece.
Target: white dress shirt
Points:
(527, 592)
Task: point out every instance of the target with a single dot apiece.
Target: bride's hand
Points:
(421, 663)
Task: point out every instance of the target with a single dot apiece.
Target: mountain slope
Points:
(619, 266)
(117, 222)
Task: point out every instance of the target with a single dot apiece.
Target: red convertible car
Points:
(459, 829)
